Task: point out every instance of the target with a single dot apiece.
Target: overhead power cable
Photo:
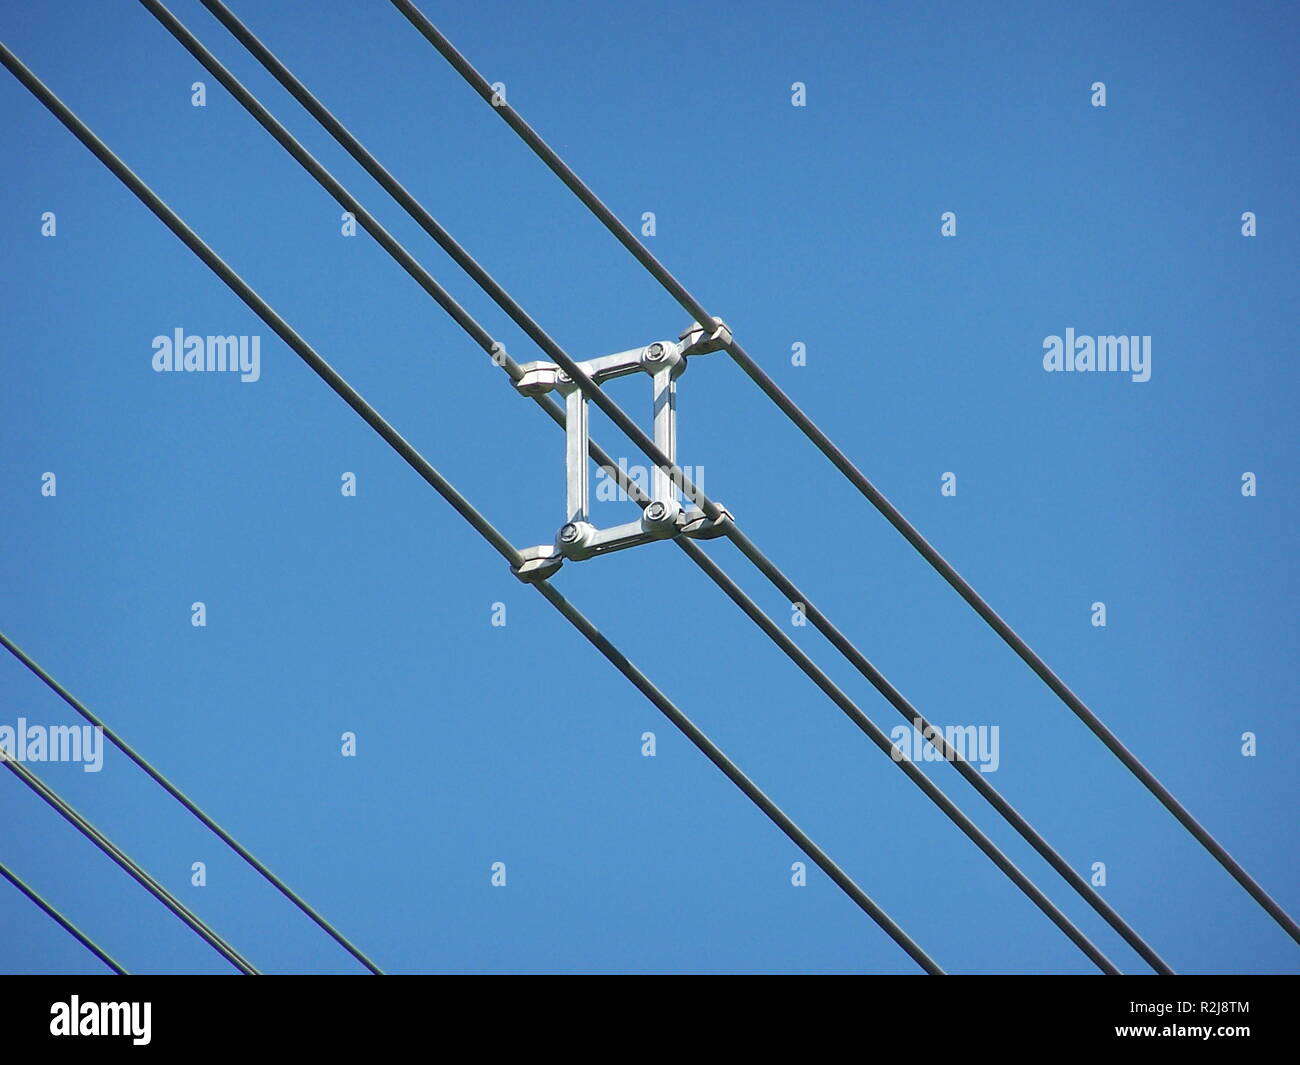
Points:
(188, 803)
(909, 767)
(62, 921)
(335, 188)
(136, 872)
(444, 488)
(846, 467)
(588, 387)
(485, 281)
(423, 217)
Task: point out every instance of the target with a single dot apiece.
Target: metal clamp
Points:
(664, 515)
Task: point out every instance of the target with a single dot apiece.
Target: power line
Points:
(132, 868)
(62, 921)
(846, 467)
(327, 373)
(738, 778)
(188, 803)
(445, 240)
(968, 772)
(422, 216)
(268, 121)
(909, 767)
(331, 184)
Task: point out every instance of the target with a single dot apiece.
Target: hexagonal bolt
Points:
(660, 518)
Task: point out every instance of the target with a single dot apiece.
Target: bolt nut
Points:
(660, 518)
(654, 353)
(574, 539)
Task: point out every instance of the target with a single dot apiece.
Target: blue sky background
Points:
(519, 744)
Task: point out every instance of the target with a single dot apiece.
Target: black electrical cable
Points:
(588, 387)
(131, 867)
(485, 281)
(327, 373)
(715, 755)
(907, 765)
(846, 467)
(969, 773)
(448, 243)
(62, 921)
(187, 802)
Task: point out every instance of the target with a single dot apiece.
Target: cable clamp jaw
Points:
(696, 340)
(538, 563)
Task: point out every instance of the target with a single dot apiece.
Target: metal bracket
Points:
(664, 516)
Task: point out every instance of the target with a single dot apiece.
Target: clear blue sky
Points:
(518, 744)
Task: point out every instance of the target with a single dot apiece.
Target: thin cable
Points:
(909, 767)
(935, 735)
(912, 715)
(335, 188)
(738, 778)
(255, 303)
(132, 868)
(846, 467)
(62, 921)
(485, 281)
(462, 506)
(268, 121)
(423, 217)
(188, 803)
